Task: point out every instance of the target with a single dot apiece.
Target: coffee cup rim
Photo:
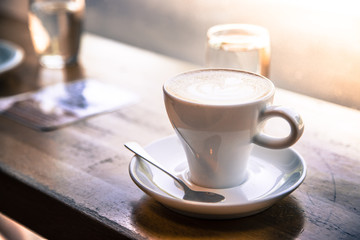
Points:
(265, 97)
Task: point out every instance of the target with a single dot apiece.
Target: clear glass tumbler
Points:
(55, 28)
(239, 46)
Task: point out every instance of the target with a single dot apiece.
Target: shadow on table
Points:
(284, 220)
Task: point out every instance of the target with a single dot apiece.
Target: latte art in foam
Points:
(219, 87)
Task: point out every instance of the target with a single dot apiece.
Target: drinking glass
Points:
(239, 46)
(55, 28)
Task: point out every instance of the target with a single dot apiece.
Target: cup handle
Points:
(296, 128)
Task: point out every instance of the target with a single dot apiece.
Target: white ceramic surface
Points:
(271, 175)
(217, 115)
(11, 55)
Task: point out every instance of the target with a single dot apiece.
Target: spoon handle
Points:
(140, 151)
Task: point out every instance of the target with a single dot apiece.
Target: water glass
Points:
(55, 28)
(239, 46)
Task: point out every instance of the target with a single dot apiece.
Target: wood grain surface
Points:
(73, 183)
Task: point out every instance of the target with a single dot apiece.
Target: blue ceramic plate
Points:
(11, 55)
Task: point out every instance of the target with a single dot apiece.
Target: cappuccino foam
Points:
(219, 87)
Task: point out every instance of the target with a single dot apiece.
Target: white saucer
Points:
(11, 55)
(272, 174)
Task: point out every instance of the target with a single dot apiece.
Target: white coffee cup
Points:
(218, 114)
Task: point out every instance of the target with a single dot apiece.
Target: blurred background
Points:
(315, 43)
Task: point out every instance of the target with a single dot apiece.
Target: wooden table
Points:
(73, 183)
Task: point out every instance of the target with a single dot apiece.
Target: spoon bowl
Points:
(189, 194)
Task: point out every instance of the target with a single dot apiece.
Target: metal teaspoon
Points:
(189, 194)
